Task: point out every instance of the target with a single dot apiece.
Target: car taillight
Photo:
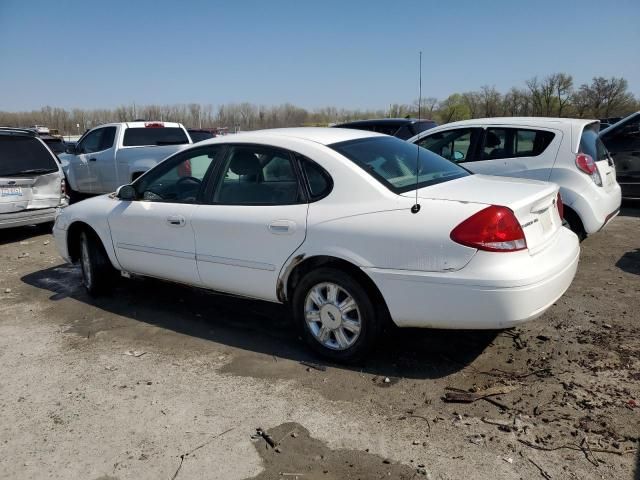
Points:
(63, 187)
(494, 229)
(586, 164)
(560, 206)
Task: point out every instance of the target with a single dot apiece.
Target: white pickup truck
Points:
(115, 154)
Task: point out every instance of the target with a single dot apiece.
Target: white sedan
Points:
(350, 228)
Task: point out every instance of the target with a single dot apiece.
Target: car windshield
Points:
(393, 163)
(21, 155)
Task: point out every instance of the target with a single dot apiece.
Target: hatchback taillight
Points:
(494, 229)
(586, 164)
(560, 206)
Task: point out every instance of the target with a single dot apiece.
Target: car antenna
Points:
(416, 206)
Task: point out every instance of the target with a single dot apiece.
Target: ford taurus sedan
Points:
(349, 228)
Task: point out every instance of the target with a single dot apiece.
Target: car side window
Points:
(91, 142)
(495, 144)
(319, 181)
(500, 143)
(257, 175)
(108, 135)
(453, 145)
(180, 179)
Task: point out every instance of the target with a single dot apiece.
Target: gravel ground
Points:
(160, 381)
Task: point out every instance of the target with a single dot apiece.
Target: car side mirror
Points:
(71, 149)
(126, 192)
(458, 156)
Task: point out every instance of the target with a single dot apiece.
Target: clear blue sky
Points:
(352, 54)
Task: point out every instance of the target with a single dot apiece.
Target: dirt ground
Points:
(160, 381)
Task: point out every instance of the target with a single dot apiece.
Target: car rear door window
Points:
(257, 175)
(22, 155)
(501, 143)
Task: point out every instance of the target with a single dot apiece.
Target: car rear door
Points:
(255, 219)
(524, 152)
(153, 235)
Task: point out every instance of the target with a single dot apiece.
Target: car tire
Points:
(97, 272)
(336, 315)
(574, 223)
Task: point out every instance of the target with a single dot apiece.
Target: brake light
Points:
(494, 229)
(560, 206)
(154, 125)
(586, 164)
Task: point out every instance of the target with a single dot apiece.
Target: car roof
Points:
(25, 132)
(399, 122)
(321, 135)
(541, 121)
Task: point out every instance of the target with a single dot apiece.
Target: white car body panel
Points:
(104, 171)
(594, 205)
(421, 273)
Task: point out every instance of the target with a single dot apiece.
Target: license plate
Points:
(610, 179)
(545, 220)
(10, 192)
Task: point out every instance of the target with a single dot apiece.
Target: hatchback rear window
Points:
(393, 163)
(24, 156)
(138, 137)
(591, 144)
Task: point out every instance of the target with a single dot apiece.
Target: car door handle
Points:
(282, 227)
(92, 159)
(176, 220)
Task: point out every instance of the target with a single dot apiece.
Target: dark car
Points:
(622, 139)
(56, 144)
(200, 134)
(403, 128)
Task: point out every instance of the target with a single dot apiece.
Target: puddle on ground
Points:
(296, 452)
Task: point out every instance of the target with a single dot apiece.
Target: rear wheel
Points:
(97, 272)
(574, 223)
(336, 316)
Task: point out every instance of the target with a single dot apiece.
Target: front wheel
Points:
(97, 272)
(335, 314)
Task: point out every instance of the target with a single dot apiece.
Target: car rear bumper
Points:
(520, 290)
(27, 217)
(597, 207)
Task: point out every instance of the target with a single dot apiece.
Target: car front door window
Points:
(453, 145)
(180, 181)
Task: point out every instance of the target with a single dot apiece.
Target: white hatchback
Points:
(562, 150)
(329, 221)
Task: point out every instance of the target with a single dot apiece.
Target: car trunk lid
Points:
(532, 202)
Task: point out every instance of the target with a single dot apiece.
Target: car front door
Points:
(256, 217)
(79, 163)
(102, 163)
(153, 235)
(624, 144)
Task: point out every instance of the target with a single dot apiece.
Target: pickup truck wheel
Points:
(335, 314)
(97, 272)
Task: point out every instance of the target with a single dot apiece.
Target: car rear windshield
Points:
(591, 144)
(200, 135)
(24, 156)
(392, 162)
(138, 137)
